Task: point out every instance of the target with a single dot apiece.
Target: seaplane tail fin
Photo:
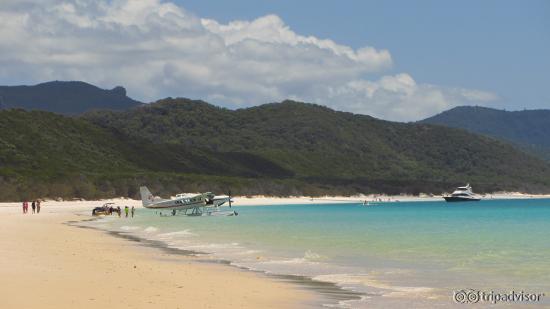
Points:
(147, 197)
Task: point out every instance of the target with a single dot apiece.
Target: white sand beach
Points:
(269, 200)
(45, 263)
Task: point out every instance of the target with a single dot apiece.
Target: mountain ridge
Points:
(65, 97)
(324, 145)
(529, 129)
(281, 148)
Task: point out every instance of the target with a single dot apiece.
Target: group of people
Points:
(127, 210)
(35, 205)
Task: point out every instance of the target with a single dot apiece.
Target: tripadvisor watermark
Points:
(471, 296)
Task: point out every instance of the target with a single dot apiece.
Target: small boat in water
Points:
(462, 194)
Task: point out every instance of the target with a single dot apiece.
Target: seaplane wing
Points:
(183, 202)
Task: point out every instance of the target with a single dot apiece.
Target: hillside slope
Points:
(65, 97)
(288, 148)
(335, 148)
(530, 129)
(45, 154)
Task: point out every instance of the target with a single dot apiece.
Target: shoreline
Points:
(64, 266)
(329, 291)
(262, 200)
(301, 200)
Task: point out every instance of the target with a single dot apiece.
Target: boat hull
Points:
(460, 199)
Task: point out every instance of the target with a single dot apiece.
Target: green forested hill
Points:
(286, 148)
(322, 146)
(529, 129)
(45, 154)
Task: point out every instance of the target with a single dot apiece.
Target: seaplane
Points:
(202, 204)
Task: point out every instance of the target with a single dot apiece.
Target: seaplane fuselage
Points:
(182, 201)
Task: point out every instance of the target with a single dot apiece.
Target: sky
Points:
(395, 60)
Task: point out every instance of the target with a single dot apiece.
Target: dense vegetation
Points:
(64, 97)
(323, 146)
(283, 148)
(529, 129)
(45, 154)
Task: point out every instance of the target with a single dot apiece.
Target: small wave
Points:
(287, 261)
(386, 290)
(184, 233)
(233, 245)
(150, 229)
(129, 228)
(312, 256)
(308, 258)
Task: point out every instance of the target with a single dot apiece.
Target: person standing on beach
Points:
(133, 211)
(33, 205)
(126, 209)
(118, 211)
(37, 206)
(24, 210)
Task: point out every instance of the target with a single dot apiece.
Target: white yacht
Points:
(462, 194)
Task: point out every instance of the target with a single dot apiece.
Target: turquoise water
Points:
(413, 254)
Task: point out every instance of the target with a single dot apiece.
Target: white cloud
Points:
(158, 49)
(271, 29)
(399, 97)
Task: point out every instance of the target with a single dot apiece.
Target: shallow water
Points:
(399, 254)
